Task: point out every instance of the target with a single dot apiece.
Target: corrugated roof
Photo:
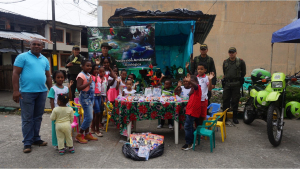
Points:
(5, 50)
(23, 36)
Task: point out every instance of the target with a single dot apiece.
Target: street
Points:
(245, 146)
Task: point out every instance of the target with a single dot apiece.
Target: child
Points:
(59, 77)
(133, 77)
(106, 64)
(63, 117)
(113, 84)
(183, 91)
(166, 91)
(122, 82)
(192, 111)
(86, 86)
(129, 91)
(206, 85)
(97, 102)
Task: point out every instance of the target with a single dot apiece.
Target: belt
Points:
(233, 80)
(97, 94)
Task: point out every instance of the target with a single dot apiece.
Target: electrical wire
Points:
(212, 6)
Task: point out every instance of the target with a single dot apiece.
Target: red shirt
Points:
(193, 107)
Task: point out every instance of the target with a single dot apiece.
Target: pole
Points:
(54, 52)
(22, 46)
(271, 57)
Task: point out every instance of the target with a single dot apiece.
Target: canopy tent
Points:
(287, 34)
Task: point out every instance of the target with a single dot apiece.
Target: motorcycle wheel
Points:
(248, 117)
(273, 128)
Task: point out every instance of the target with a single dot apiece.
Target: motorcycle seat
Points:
(258, 88)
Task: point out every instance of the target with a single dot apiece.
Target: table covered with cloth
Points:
(125, 112)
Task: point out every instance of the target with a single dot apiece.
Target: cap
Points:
(76, 47)
(203, 46)
(105, 44)
(232, 49)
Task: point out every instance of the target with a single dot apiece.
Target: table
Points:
(126, 112)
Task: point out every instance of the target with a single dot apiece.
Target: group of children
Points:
(98, 84)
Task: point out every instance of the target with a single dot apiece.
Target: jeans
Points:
(189, 129)
(32, 110)
(97, 103)
(86, 100)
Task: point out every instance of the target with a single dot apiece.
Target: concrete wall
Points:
(246, 25)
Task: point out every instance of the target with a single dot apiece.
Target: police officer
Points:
(209, 61)
(234, 70)
(105, 48)
(73, 64)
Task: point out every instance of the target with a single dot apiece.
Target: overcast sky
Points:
(67, 11)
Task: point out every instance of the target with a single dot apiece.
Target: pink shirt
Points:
(82, 76)
(97, 85)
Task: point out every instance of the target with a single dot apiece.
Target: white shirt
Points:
(127, 93)
(57, 91)
(104, 85)
(185, 92)
(115, 83)
(121, 87)
(203, 82)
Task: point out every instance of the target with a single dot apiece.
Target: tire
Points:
(274, 133)
(248, 118)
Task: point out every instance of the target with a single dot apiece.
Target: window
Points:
(68, 38)
(59, 35)
(13, 58)
(63, 59)
(2, 24)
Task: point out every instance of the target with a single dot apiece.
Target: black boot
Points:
(234, 118)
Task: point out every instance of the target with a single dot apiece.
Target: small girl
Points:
(133, 77)
(97, 102)
(86, 86)
(114, 84)
(129, 91)
(63, 117)
(122, 82)
(59, 77)
(104, 84)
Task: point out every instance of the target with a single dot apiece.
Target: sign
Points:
(132, 46)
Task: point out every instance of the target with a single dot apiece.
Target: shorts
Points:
(97, 104)
(203, 108)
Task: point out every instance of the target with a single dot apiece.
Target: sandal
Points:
(99, 134)
(71, 150)
(93, 132)
(62, 151)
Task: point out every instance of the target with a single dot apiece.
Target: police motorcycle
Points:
(267, 102)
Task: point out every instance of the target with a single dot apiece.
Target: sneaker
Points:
(71, 150)
(62, 151)
(55, 147)
(27, 149)
(40, 143)
(80, 139)
(170, 126)
(89, 137)
(98, 134)
(187, 147)
(159, 126)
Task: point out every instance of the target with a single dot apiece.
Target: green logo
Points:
(180, 71)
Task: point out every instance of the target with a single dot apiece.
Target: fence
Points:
(6, 77)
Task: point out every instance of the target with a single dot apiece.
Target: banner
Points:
(132, 46)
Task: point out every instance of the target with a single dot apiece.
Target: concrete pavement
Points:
(245, 146)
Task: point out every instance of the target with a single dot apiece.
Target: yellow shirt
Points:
(62, 114)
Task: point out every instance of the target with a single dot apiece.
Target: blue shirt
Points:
(33, 75)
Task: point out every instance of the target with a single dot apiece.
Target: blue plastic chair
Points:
(202, 131)
(215, 109)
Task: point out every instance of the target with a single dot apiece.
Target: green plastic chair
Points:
(202, 131)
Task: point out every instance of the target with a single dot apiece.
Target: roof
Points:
(5, 50)
(23, 36)
(204, 22)
(288, 34)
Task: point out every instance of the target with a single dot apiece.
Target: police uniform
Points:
(75, 69)
(209, 61)
(112, 60)
(234, 72)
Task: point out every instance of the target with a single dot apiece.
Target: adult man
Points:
(234, 70)
(105, 48)
(73, 64)
(31, 69)
(209, 61)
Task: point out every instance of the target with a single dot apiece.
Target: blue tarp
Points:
(288, 34)
(173, 42)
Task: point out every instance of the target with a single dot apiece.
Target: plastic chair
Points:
(80, 109)
(215, 109)
(107, 110)
(202, 131)
(221, 124)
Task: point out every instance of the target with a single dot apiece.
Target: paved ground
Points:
(245, 146)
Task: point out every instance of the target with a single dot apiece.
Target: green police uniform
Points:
(74, 70)
(233, 72)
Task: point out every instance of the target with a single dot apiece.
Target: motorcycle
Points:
(267, 102)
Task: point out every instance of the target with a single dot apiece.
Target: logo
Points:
(277, 77)
(180, 71)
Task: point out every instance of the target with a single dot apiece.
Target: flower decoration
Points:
(153, 77)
